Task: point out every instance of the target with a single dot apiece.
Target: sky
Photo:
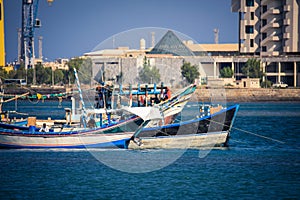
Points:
(71, 28)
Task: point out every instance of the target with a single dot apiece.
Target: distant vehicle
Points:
(280, 85)
(15, 81)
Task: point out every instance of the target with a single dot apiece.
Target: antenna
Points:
(216, 31)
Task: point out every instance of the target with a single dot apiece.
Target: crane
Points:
(29, 23)
(2, 46)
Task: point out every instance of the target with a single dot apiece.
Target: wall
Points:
(248, 95)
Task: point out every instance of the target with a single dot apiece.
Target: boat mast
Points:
(81, 99)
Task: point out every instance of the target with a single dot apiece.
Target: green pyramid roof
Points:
(171, 44)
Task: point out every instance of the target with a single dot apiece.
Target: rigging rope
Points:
(251, 133)
(84, 114)
(85, 94)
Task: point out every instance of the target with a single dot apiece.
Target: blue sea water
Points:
(262, 162)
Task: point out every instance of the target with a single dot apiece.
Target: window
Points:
(264, 8)
(249, 29)
(251, 43)
(264, 49)
(249, 3)
(264, 22)
(252, 15)
(264, 36)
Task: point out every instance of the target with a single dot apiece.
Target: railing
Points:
(271, 53)
(286, 49)
(286, 35)
(272, 24)
(287, 22)
(270, 38)
(271, 11)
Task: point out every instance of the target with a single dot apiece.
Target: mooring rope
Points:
(251, 133)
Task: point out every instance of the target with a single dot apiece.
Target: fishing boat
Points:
(111, 136)
(71, 139)
(137, 131)
(88, 132)
(170, 107)
(209, 130)
(113, 133)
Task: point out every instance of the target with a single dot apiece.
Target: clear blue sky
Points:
(73, 27)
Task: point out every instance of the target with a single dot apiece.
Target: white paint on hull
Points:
(182, 141)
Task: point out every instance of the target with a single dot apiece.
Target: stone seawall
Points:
(203, 94)
(247, 95)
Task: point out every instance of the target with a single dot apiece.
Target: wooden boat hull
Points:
(208, 131)
(112, 136)
(212, 139)
(65, 141)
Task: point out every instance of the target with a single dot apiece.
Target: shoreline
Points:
(205, 94)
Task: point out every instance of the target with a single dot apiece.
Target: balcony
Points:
(287, 22)
(271, 11)
(270, 25)
(286, 35)
(264, 2)
(244, 49)
(286, 49)
(270, 39)
(271, 53)
(287, 8)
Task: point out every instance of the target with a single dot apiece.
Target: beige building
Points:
(58, 64)
(248, 83)
(269, 27)
(232, 82)
(170, 52)
(269, 30)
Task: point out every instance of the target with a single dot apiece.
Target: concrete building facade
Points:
(269, 30)
(210, 58)
(268, 27)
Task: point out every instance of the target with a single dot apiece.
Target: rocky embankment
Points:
(201, 94)
(247, 95)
